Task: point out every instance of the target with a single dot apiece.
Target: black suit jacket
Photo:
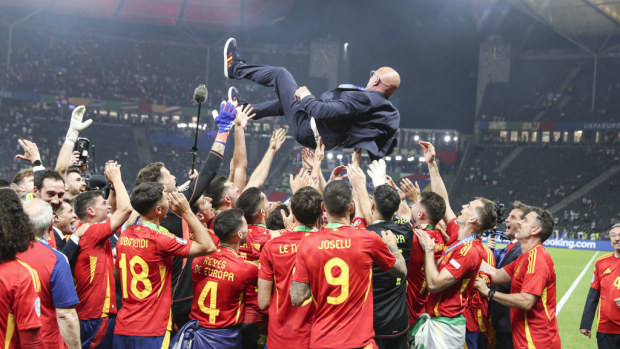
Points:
(500, 314)
(355, 118)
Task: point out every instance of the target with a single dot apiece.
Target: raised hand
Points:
(244, 114)
(319, 152)
(112, 171)
(356, 157)
(277, 139)
(226, 118)
(77, 125)
(307, 159)
(376, 172)
(337, 175)
(356, 176)
(31, 151)
(299, 181)
(412, 191)
(429, 151)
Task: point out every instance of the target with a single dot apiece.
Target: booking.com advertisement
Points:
(572, 244)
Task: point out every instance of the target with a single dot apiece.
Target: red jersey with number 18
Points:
(337, 263)
(144, 256)
(220, 281)
(607, 279)
(289, 326)
(534, 273)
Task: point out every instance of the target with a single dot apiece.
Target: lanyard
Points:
(427, 226)
(465, 240)
(304, 228)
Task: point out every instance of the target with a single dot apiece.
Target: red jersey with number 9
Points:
(144, 256)
(220, 281)
(337, 263)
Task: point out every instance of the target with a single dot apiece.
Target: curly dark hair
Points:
(16, 231)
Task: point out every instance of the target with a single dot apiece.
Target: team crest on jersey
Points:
(181, 241)
(37, 306)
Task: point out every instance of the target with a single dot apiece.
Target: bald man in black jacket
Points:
(349, 116)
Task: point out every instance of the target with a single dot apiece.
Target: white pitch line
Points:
(573, 286)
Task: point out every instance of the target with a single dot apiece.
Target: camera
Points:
(82, 145)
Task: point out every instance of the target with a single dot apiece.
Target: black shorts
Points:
(608, 341)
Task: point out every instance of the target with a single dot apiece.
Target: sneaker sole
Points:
(233, 40)
(230, 90)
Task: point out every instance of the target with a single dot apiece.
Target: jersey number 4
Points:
(342, 280)
(211, 290)
(617, 282)
(139, 278)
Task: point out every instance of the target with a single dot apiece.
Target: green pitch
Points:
(568, 265)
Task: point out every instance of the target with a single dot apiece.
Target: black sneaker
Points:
(231, 57)
(234, 96)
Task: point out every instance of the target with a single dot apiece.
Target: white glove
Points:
(76, 124)
(376, 172)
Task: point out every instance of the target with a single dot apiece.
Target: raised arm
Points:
(360, 194)
(75, 127)
(258, 177)
(212, 164)
(437, 184)
(239, 162)
(123, 205)
(436, 281)
(202, 244)
(319, 155)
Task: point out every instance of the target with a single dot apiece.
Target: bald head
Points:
(40, 214)
(385, 80)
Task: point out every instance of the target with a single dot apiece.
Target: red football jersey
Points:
(20, 305)
(417, 293)
(93, 273)
(534, 273)
(337, 263)
(257, 236)
(220, 281)
(144, 257)
(359, 222)
(607, 279)
(477, 310)
(289, 326)
(463, 262)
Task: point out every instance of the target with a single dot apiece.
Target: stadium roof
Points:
(222, 15)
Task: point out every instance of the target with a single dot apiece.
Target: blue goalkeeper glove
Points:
(227, 116)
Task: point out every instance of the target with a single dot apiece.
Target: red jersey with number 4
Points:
(289, 326)
(534, 273)
(417, 293)
(607, 279)
(144, 256)
(20, 305)
(220, 281)
(93, 273)
(337, 263)
(477, 311)
(463, 262)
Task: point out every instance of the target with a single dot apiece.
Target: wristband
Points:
(429, 249)
(491, 294)
(221, 137)
(37, 163)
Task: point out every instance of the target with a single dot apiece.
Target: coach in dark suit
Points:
(500, 314)
(349, 116)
